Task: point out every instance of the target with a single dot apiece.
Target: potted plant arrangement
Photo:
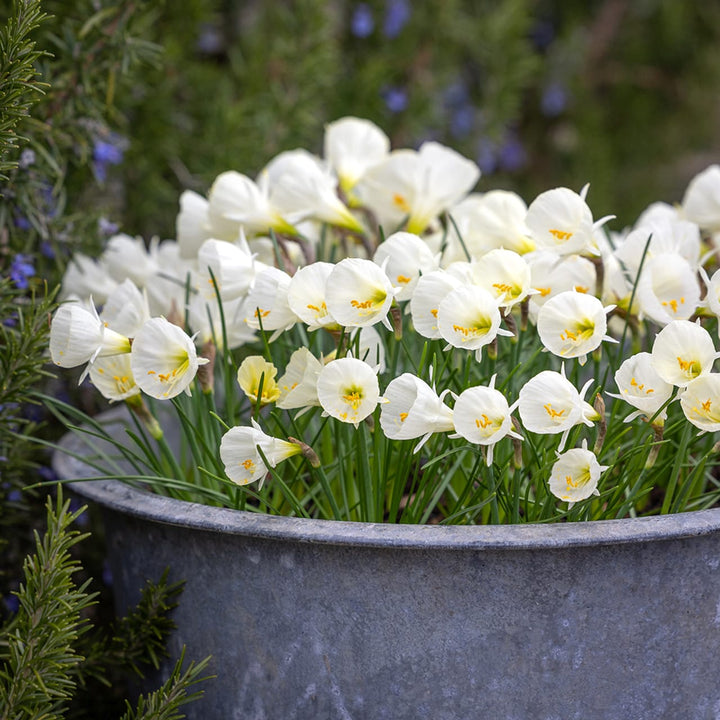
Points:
(415, 450)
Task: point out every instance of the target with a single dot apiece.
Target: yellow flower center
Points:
(353, 396)
(480, 327)
(321, 310)
(369, 304)
(554, 414)
(691, 368)
(580, 333)
(640, 387)
(401, 202)
(673, 304)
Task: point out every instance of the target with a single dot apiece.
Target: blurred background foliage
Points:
(110, 108)
(149, 98)
(619, 93)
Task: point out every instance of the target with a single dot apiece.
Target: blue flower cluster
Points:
(107, 150)
(397, 16)
(21, 269)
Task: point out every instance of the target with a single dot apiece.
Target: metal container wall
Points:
(315, 620)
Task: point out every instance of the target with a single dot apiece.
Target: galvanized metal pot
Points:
(317, 620)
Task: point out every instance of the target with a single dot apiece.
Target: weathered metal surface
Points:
(324, 620)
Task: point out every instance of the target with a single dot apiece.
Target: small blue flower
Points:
(47, 473)
(456, 94)
(107, 151)
(21, 222)
(362, 22)
(210, 40)
(512, 156)
(106, 227)
(462, 121)
(486, 156)
(107, 576)
(542, 34)
(47, 249)
(397, 14)
(81, 520)
(12, 603)
(14, 496)
(21, 269)
(395, 97)
(554, 99)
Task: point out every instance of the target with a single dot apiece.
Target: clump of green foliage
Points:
(60, 64)
(48, 649)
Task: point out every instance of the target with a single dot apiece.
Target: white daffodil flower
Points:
(85, 277)
(225, 269)
(430, 291)
(617, 286)
(683, 351)
(549, 403)
(701, 203)
(641, 386)
(469, 318)
(358, 293)
(668, 289)
(575, 475)
(192, 224)
(505, 275)
(167, 290)
(405, 256)
(206, 321)
(348, 390)
(495, 219)
(306, 296)
(573, 324)
(700, 401)
(267, 302)
(126, 309)
(483, 417)
(302, 187)
(236, 200)
(79, 336)
(658, 213)
(298, 385)
(126, 257)
(252, 370)
(552, 275)
(243, 462)
(113, 377)
(679, 237)
(418, 185)
(412, 410)
(163, 359)
(352, 146)
(560, 220)
(712, 296)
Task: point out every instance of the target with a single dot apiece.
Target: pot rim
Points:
(120, 497)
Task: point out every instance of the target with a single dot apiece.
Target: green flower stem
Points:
(680, 456)
(365, 484)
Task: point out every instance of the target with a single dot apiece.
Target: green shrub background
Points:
(109, 109)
